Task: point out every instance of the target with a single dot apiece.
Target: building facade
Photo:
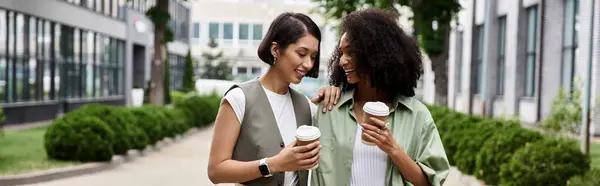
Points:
(57, 55)
(511, 57)
(238, 26)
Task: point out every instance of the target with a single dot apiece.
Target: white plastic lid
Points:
(376, 108)
(307, 133)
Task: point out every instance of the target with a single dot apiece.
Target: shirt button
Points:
(281, 145)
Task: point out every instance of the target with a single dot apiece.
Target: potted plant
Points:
(137, 95)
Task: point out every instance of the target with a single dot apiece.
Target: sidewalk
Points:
(181, 164)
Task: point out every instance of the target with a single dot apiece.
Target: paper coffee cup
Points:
(377, 110)
(306, 135)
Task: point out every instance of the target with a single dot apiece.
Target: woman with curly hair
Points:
(377, 62)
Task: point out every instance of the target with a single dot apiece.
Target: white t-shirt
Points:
(369, 163)
(283, 110)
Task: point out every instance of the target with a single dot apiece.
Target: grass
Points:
(23, 151)
(595, 154)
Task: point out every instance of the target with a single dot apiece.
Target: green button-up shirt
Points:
(411, 125)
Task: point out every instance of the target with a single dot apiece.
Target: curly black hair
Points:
(381, 50)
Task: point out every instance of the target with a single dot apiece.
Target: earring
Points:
(274, 60)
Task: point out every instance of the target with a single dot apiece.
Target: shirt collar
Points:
(348, 97)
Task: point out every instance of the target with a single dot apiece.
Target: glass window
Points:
(46, 66)
(213, 30)
(569, 47)
(242, 70)
(196, 30)
(97, 64)
(458, 62)
(478, 57)
(227, 31)
(106, 73)
(501, 54)
(20, 60)
(3, 54)
(255, 70)
(243, 32)
(531, 51)
(257, 31)
(89, 66)
(30, 86)
(10, 61)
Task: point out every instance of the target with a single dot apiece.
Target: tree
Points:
(167, 83)
(431, 26)
(188, 74)
(221, 70)
(159, 14)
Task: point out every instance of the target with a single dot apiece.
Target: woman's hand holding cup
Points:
(294, 157)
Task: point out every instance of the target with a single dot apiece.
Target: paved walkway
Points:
(181, 164)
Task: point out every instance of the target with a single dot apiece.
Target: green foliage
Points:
(128, 136)
(189, 82)
(545, 162)
(168, 36)
(499, 149)
(167, 82)
(147, 120)
(426, 14)
(432, 20)
(565, 116)
(221, 70)
(471, 139)
(177, 97)
(78, 138)
(158, 16)
(454, 127)
(198, 110)
(592, 177)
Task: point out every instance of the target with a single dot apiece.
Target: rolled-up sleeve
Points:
(432, 156)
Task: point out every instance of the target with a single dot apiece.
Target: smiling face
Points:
(346, 61)
(297, 59)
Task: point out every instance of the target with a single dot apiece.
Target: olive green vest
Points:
(259, 135)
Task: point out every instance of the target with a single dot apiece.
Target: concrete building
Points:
(239, 26)
(57, 55)
(510, 57)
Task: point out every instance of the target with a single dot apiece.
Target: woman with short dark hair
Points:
(254, 133)
(377, 63)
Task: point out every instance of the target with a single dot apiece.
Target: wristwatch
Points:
(264, 168)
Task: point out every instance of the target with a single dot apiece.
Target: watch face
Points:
(264, 170)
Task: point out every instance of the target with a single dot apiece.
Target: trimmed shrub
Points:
(177, 97)
(454, 127)
(592, 177)
(199, 111)
(77, 138)
(470, 141)
(545, 162)
(499, 149)
(128, 136)
(148, 122)
(177, 120)
(138, 137)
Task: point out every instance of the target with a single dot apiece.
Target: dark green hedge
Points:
(545, 162)
(499, 149)
(79, 139)
(96, 132)
(502, 153)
